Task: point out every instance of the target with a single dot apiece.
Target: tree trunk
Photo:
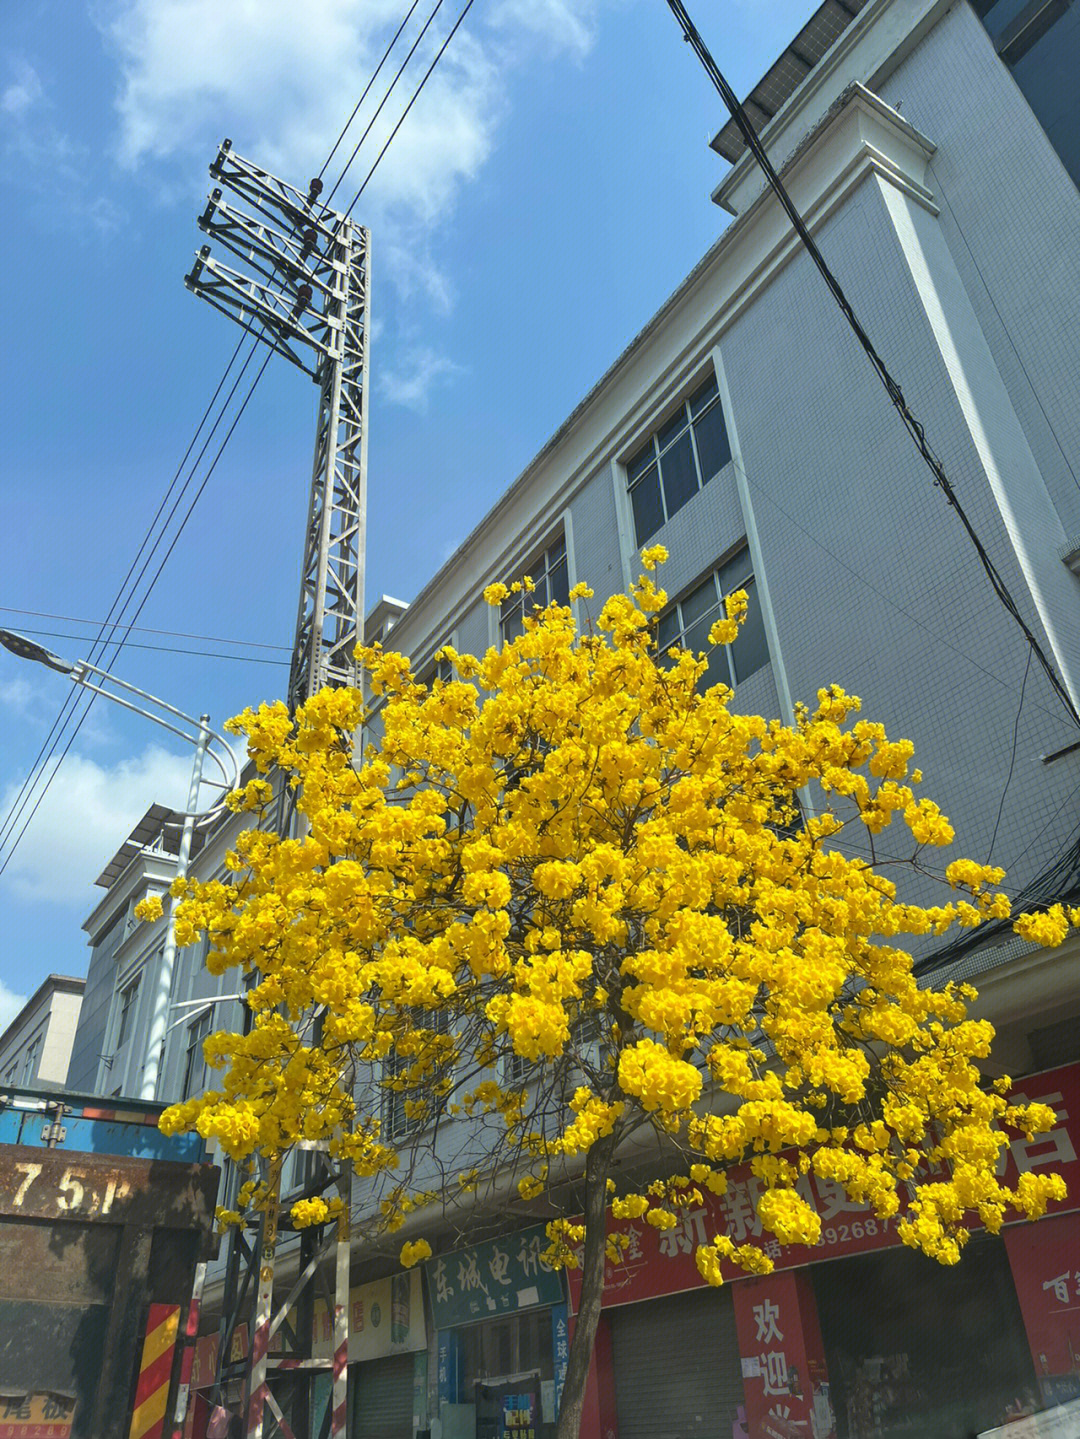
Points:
(597, 1164)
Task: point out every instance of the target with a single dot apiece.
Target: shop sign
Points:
(1045, 1263)
(419, 1391)
(204, 1363)
(449, 1366)
(785, 1384)
(500, 1276)
(518, 1416)
(560, 1349)
(659, 1262)
(385, 1317)
(36, 1415)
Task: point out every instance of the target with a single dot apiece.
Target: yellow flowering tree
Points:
(568, 894)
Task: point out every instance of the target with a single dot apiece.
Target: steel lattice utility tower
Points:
(306, 296)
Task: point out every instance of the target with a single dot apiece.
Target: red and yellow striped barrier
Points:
(155, 1371)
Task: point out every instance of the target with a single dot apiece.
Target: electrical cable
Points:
(883, 595)
(39, 765)
(363, 97)
(1012, 760)
(206, 478)
(892, 389)
(72, 700)
(416, 95)
(97, 649)
(389, 90)
(138, 629)
(167, 649)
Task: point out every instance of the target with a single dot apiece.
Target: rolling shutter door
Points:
(677, 1370)
(383, 1398)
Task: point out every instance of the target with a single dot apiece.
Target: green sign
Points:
(497, 1277)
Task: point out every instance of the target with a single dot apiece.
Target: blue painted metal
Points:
(91, 1124)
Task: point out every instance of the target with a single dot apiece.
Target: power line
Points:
(138, 629)
(416, 95)
(896, 395)
(167, 649)
(363, 97)
(386, 95)
(1012, 760)
(72, 700)
(76, 696)
(22, 800)
(883, 595)
(74, 733)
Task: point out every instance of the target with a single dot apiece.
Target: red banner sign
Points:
(662, 1262)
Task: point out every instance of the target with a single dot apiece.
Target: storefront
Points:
(502, 1338)
(387, 1361)
(881, 1344)
(675, 1363)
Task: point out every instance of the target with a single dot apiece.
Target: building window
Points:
(440, 669)
(30, 1060)
(396, 1122)
(129, 999)
(11, 1073)
(516, 1069)
(551, 584)
(677, 460)
(194, 1063)
(686, 624)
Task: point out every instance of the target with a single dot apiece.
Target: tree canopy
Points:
(567, 891)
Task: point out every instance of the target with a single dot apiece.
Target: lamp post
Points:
(192, 731)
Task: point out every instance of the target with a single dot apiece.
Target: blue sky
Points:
(547, 193)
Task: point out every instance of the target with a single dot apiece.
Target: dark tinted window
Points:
(677, 460)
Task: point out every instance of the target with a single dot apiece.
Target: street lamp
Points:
(193, 732)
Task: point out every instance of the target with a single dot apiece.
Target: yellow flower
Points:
(413, 1253)
(150, 908)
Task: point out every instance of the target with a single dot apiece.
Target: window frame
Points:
(748, 582)
(539, 569)
(197, 1031)
(691, 419)
(396, 1125)
(129, 1003)
(31, 1058)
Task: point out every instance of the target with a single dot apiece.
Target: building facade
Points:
(36, 1046)
(746, 431)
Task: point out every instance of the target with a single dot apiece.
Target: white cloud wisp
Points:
(280, 82)
(84, 818)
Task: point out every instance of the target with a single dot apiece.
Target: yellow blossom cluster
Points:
(569, 892)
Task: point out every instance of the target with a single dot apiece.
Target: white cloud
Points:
(280, 82)
(48, 163)
(86, 815)
(10, 1004)
(564, 24)
(33, 703)
(411, 383)
(24, 90)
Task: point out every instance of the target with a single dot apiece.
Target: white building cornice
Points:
(879, 38)
(857, 138)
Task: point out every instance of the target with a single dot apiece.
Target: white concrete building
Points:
(36, 1046)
